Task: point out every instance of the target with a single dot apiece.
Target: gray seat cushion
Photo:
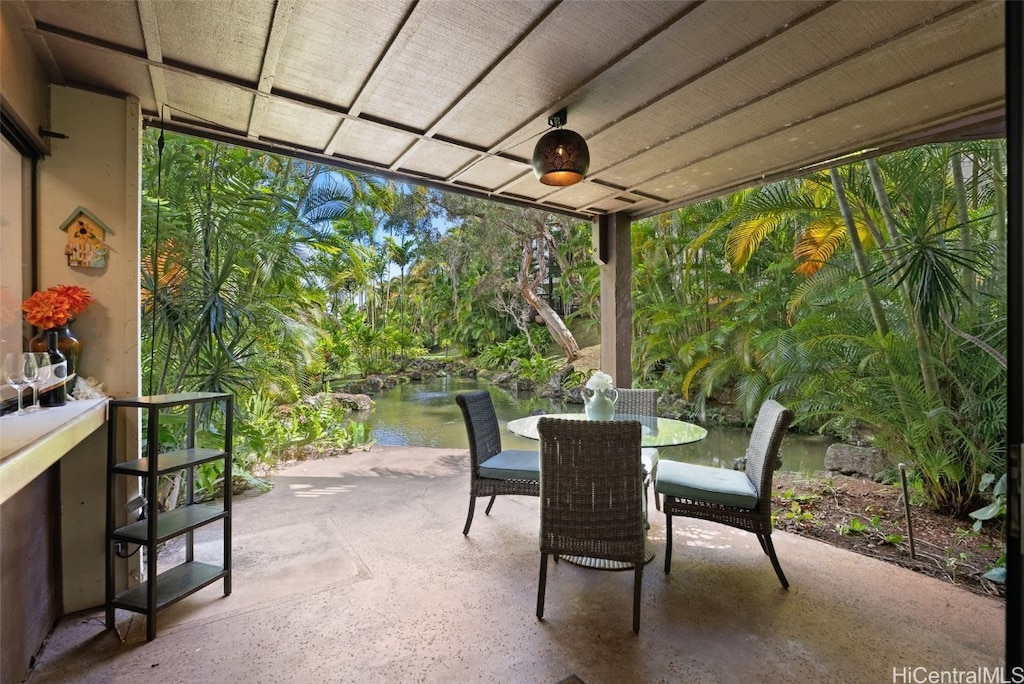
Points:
(704, 483)
(512, 464)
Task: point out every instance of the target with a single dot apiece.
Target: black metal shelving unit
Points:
(163, 587)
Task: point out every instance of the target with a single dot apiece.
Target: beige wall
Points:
(97, 167)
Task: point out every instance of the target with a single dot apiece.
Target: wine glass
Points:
(14, 375)
(37, 371)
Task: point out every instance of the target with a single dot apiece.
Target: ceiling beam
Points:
(23, 18)
(732, 145)
(564, 100)
(399, 40)
(992, 123)
(460, 99)
(279, 24)
(888, 40)
(244, 86)
(154, 53)
(263, 145)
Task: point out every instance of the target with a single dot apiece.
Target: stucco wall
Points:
(97, 167)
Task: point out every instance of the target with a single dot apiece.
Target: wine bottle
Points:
(57, 393)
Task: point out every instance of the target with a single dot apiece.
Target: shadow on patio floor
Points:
(354, 569)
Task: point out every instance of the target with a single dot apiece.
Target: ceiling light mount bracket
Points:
(559, 118)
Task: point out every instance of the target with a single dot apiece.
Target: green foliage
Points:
(797, 513)
(266, 435)
(538, 369)
(322, 425)
(853, 527)
(997, 573)
(575, 379)
(802, 499)
(209, 478)
(901, 335)
(799, 505)
(270, 277)
(250, 284)
(503, 354)
(995, 510)
(857, 526)
(873, 528)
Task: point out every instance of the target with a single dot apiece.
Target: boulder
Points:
(553, 389)
(351, 402)
(847, 459)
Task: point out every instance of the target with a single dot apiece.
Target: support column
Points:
(1015, 330)
(613, 253)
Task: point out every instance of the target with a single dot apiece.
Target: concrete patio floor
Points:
(354, 569)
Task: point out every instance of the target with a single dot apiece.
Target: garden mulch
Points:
(869, 518)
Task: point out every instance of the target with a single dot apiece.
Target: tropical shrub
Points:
(538, 369)
(503, 354)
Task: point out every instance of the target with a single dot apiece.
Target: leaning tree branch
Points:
(976, 341)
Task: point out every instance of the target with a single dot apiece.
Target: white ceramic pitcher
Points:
(600, 404)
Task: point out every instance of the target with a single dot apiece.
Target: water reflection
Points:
(425, 414)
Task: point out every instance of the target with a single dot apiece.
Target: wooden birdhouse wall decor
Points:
(86, 246)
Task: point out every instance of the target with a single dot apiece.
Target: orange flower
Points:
(76, 296)
(54, 307)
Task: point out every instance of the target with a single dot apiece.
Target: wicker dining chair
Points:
(644, 404)
(591, 496)
(738, 498)
(493, 470)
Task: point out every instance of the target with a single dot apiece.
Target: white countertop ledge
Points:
(31, 443)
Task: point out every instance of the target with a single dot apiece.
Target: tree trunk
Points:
(528, 285)
(560, 333)
(863, 269)
(999, 206)
(928, 376)
(966, 243)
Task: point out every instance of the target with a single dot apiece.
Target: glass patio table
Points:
(655, 432)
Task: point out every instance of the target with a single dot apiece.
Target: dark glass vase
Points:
(69, 346)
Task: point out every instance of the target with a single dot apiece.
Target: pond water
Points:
(425, 414)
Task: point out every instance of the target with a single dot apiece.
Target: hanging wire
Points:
(154, 274)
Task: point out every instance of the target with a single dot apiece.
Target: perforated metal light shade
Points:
(561, 157)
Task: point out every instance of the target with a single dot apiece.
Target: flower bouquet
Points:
(54, 309)
(57, 306)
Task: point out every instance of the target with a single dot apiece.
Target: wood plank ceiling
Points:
(679, 101)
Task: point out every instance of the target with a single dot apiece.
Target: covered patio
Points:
(678, 101)
(354, 569)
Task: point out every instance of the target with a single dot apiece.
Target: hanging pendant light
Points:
(561, 156)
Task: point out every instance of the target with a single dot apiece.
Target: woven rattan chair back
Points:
(642, 403)
(481, 426)
(762, 453)
(485, 444)
(591, 495)
(637, 402)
